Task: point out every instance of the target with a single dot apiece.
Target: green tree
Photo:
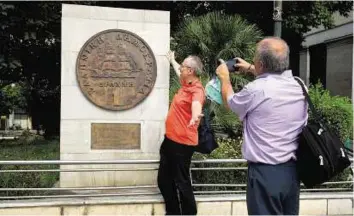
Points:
(213, 36)
(30, 44)
(12, 97)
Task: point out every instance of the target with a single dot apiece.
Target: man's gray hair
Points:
(274, 61)
(196, 64)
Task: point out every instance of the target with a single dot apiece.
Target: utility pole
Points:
(277, 17)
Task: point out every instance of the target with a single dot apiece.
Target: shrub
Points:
(337, 111)
(228, 148)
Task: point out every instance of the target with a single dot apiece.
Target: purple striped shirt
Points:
(273, 111)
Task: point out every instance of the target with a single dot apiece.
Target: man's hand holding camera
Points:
(223, 72)
(244, 66)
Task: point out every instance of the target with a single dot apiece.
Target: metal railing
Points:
(56, 192)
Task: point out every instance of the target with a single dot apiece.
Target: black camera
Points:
(231, 65)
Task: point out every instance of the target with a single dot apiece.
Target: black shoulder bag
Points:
(206, 137)
(320, 155)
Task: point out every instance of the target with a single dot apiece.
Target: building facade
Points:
(327, 56)
(17, 120)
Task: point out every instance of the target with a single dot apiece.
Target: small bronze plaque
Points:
(116, 69)
(115, 136)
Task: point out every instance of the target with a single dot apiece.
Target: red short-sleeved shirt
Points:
(180, 114)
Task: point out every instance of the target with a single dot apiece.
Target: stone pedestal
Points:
(79, 115)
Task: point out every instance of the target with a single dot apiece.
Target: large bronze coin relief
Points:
(116, 69)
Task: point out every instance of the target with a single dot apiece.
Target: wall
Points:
(340, 67)
(339, 59)
(19, 118)
(304, 68)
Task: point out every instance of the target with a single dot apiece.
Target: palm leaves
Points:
(213, 36)
(216, 35)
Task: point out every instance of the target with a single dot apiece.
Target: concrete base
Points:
(310, 204)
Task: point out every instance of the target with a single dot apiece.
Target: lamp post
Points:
(277, 17)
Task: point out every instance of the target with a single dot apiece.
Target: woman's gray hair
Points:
(196, 64)
(274, 61)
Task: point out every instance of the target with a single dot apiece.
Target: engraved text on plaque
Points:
(115, 136)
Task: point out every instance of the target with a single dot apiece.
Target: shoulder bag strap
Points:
(307, 97)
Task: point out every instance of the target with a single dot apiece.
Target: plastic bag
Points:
(213, 90)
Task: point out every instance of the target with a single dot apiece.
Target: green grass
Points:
(28, 149)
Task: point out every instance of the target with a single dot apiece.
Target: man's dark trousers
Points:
(273, 189)
(174, 179)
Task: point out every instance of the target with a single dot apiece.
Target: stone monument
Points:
(114, 92)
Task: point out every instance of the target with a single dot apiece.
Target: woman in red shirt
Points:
(181, 137)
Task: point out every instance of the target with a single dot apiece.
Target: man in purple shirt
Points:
(273, 111)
